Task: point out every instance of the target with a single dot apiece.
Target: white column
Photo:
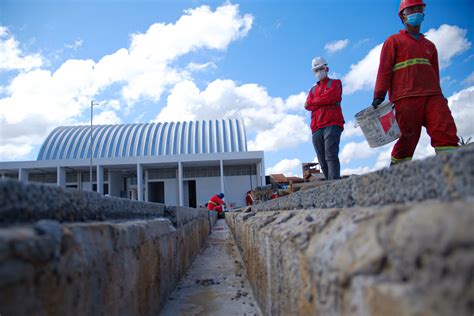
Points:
(61, 177)
(140, 182)
(23, 175)
(3, 176)
(146, 185)
(180, 184)
(261, 173)
(221, 165)
(100, 179)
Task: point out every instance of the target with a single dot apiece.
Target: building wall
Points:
(236, 188)
(206, 188)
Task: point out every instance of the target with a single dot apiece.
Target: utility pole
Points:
(92, 140)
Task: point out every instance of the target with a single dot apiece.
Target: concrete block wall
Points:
(109, 257)
(387, 243)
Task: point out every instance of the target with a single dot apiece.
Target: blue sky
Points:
(179, 60)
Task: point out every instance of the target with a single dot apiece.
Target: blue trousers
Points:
(326, 144)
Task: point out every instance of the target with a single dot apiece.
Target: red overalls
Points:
(215, 204)
(409, 71)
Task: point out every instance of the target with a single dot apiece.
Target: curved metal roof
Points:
(151, 139)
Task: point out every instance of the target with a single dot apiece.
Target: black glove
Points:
(377, 102)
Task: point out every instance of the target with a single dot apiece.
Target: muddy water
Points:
(215, 283)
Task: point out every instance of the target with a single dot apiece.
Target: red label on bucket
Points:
(387, 121)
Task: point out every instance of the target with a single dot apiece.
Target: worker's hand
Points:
(377, 102)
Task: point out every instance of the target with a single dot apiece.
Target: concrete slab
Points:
(216, 282)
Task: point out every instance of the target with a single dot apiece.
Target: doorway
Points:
(156, 192)
(192, 193)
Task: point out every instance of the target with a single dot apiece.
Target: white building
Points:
(177, 163)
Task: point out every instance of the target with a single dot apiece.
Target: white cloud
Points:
(289, 167)
(43, 99)
(265, 116)
(354, 150)
(336, 46)
(469, 79)
(14, 151)
(11, 55)
(200, 67)
(450, 40)
(462, 107)
(350, 130)
(351, 171)
(75, 46)
(107, 117)
(296, 102)
(363, 74)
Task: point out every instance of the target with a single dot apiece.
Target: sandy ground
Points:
(215, 283)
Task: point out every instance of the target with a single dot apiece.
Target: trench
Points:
(216, 282)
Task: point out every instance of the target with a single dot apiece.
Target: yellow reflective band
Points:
(411, 62)
(445, 149)
(395, 160)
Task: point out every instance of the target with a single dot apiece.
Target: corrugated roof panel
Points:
(151, 139)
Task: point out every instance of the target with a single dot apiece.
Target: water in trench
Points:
(215, 284)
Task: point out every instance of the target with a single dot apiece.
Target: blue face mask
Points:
(415, 19)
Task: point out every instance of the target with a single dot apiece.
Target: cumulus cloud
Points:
(336, 46)
(350, 130)
(362, 75)
(200, 67)
(107, 117)
(75, 45)
(11, 55)
(264, 116)
(289, 167)
(358, 170)
(469, 79)
(450, 40)
(462, 107)
(44, 98)
(355, 150)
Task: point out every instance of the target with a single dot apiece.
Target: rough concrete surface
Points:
(216, 283)
(410, 259)
(445, 177)
(99, 268)
(29, 202)
(100, 256)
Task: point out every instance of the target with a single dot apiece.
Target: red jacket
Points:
(213, 202)
(324, 102)
(408, 68)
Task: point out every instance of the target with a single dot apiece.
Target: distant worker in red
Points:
(409, 71)
(248, 198)
(215, 204)
(327, 121)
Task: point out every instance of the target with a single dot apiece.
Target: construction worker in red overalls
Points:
(215, 204)
(409, 71)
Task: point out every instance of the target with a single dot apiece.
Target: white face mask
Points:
(321, 74)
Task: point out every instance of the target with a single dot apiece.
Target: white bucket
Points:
(378, 125)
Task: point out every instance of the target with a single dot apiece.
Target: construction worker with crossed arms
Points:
(409, 71)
